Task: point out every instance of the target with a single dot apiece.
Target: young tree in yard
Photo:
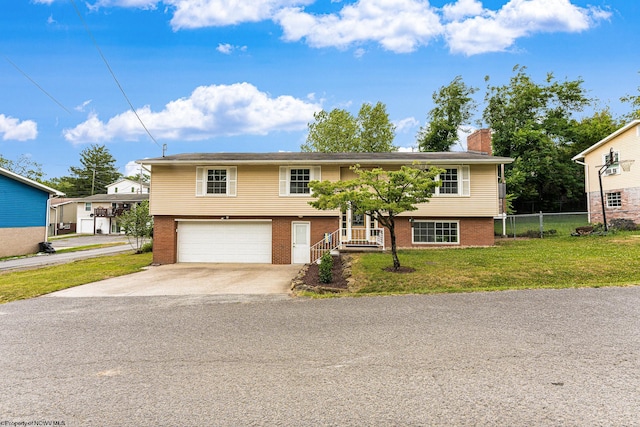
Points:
(97, 170)
(338, 131)
(453, 109)
(137, 224)
(381, 194)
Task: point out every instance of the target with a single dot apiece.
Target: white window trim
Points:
(201, 181)
(87, 206)
(457, 222)
(285, 179)
(464, 182)
(619, 198)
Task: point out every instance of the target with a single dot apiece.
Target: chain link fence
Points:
(540, 224)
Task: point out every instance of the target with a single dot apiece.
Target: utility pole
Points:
(93, 181)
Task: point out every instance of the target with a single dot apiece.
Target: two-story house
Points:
(127, 186)
(254, 207)
(98, 214)
(612, 180)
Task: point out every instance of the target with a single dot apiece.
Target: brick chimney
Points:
(480, 142)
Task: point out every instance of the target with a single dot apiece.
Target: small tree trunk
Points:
(394, 250)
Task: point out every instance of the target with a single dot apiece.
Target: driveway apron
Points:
(193, 279)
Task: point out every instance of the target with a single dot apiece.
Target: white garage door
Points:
(224, 241)
(86, 226)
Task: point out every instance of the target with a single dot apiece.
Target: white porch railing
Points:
(363, 237)
(328, 244)
(373, 237)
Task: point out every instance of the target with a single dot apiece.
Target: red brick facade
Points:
(629, 209)
(472, 232)
(165, 236)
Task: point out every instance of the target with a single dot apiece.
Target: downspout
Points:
(587, 188)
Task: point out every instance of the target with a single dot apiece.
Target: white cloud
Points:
(210, 111)
(228, 49)
(82, 106)
(397, 25)
(14, 129)
(133, 169)
(225, 48)
(406, 125)
(495, 31)
(213, 13)
(462, 9)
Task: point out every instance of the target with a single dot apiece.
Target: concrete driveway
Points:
(193, 279)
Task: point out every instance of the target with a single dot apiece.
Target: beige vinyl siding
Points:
(482, 200)
(628, 145)
(257, 193)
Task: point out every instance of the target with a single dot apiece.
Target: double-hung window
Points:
(216, 181)
(454, 181)
(294, 181)
(614, 200)
(446, 232)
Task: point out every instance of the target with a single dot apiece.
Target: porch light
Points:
(411, 221)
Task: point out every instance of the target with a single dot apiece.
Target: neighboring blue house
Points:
(24, 212)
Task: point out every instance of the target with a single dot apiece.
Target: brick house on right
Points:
(612, 161)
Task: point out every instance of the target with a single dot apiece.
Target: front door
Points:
(300, 251)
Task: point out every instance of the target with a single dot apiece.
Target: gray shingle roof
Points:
(333, 158)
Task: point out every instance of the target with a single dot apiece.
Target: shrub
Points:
(623, 224)
(325, 269)
(147, 247)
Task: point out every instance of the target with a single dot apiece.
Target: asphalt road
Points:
(520, 358)
(42, 260)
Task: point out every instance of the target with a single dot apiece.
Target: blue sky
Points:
(237, 76)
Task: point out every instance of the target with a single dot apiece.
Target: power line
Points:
(37, 85)
(104, 59)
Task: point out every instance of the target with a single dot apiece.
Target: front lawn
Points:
(556, 262)
(17, 285)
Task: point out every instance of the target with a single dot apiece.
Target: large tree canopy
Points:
(97, 170)
(379, 193)
(454, 107)
(532, 123)
(338, 131)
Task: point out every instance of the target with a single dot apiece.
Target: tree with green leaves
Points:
(634, 100)
(381, 194)
(137, 224)
(23, 166)
(532, 123)
(338, 131)
(97, 170)
(454, 108)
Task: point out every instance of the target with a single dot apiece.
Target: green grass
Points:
(558, 262)
(31, 283)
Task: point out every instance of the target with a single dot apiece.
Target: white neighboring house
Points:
(98, 214)
(127, 186)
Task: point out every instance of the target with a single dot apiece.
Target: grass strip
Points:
(18, 285)
(558, 262)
